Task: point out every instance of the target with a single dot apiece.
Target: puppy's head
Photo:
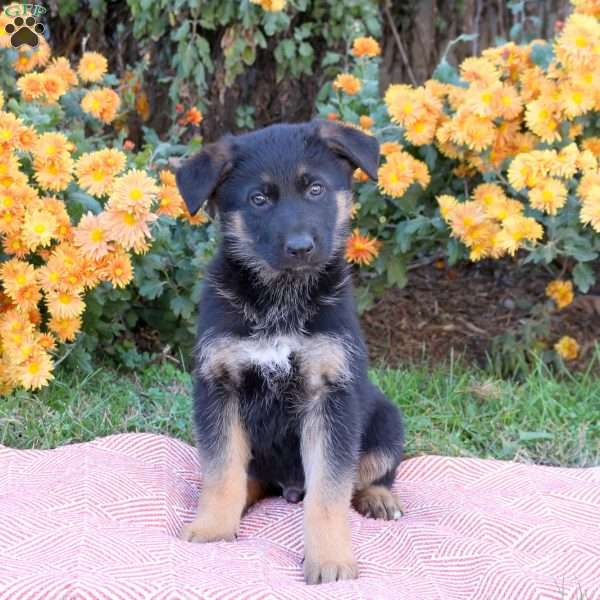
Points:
(282, 193)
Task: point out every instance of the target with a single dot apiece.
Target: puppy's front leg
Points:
(327, 457)
(224, 490)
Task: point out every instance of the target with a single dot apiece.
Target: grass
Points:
(452, 411)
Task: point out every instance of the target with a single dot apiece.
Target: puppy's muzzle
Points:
(299, 246)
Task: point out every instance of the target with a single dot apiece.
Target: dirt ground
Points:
(460, 310)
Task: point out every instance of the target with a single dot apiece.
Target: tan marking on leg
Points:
(328, 552)
(256, 491)
(224, 492)
(377, 501)
(372, 466)
(323, 359)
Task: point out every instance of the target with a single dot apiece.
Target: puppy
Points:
(282, 401)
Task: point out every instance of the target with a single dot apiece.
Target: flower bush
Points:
(77, 208)
(496, 159)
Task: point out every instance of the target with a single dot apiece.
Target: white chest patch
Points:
(318, 356)
(272, 353)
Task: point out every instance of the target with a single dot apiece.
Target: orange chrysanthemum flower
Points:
(118, 269)
(65, 305)
(65, 329)
(361, 249)
(366, 46)
(102, 104)
(347, 83)
(96, 170)
(91, 236)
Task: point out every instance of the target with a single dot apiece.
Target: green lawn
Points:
(452, 411)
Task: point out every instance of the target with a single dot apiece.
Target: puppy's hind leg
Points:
(381, 452)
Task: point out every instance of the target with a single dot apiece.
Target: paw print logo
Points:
(24, 31)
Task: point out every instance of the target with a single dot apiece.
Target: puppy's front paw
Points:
(209, 529)
(378, 502)
(326, 571)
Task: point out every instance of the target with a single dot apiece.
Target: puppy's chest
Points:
(285, 365)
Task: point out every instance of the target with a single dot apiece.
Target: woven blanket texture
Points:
(100, 520)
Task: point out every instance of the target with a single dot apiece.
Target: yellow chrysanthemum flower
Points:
(549, 196)
(389, 148)
(134, 191)
(39, 228)
(420, 132)
(16, 274)
(542, 119)
(465, 217)
(270, 5)
(62, 68)
(488, 193)
(129, 228)
(516, 230)
(54, 174)
(447, 205)
(398, 172)
(587, 7)
(589, 187)
(507, 103)
(479, 70)
(576, 101)
(590, 213)
(577, 44)
(561, 292)
(35, 372)
(92, 67)
(567, 348)
(564, 163)
(477, 133)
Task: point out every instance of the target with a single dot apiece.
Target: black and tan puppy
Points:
(282, 400)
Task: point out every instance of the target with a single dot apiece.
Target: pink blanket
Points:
(100, 521)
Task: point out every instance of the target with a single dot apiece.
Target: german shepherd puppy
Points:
(282, 401)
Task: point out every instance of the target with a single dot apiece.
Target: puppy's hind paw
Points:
(378, 502)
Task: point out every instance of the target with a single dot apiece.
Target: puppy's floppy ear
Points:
(359, 148)
(199, 176)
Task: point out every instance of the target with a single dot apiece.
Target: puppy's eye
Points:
(316, 189)
(258, 199)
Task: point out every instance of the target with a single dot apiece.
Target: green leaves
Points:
(583, 276)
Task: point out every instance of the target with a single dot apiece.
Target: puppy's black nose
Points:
(299, 245)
